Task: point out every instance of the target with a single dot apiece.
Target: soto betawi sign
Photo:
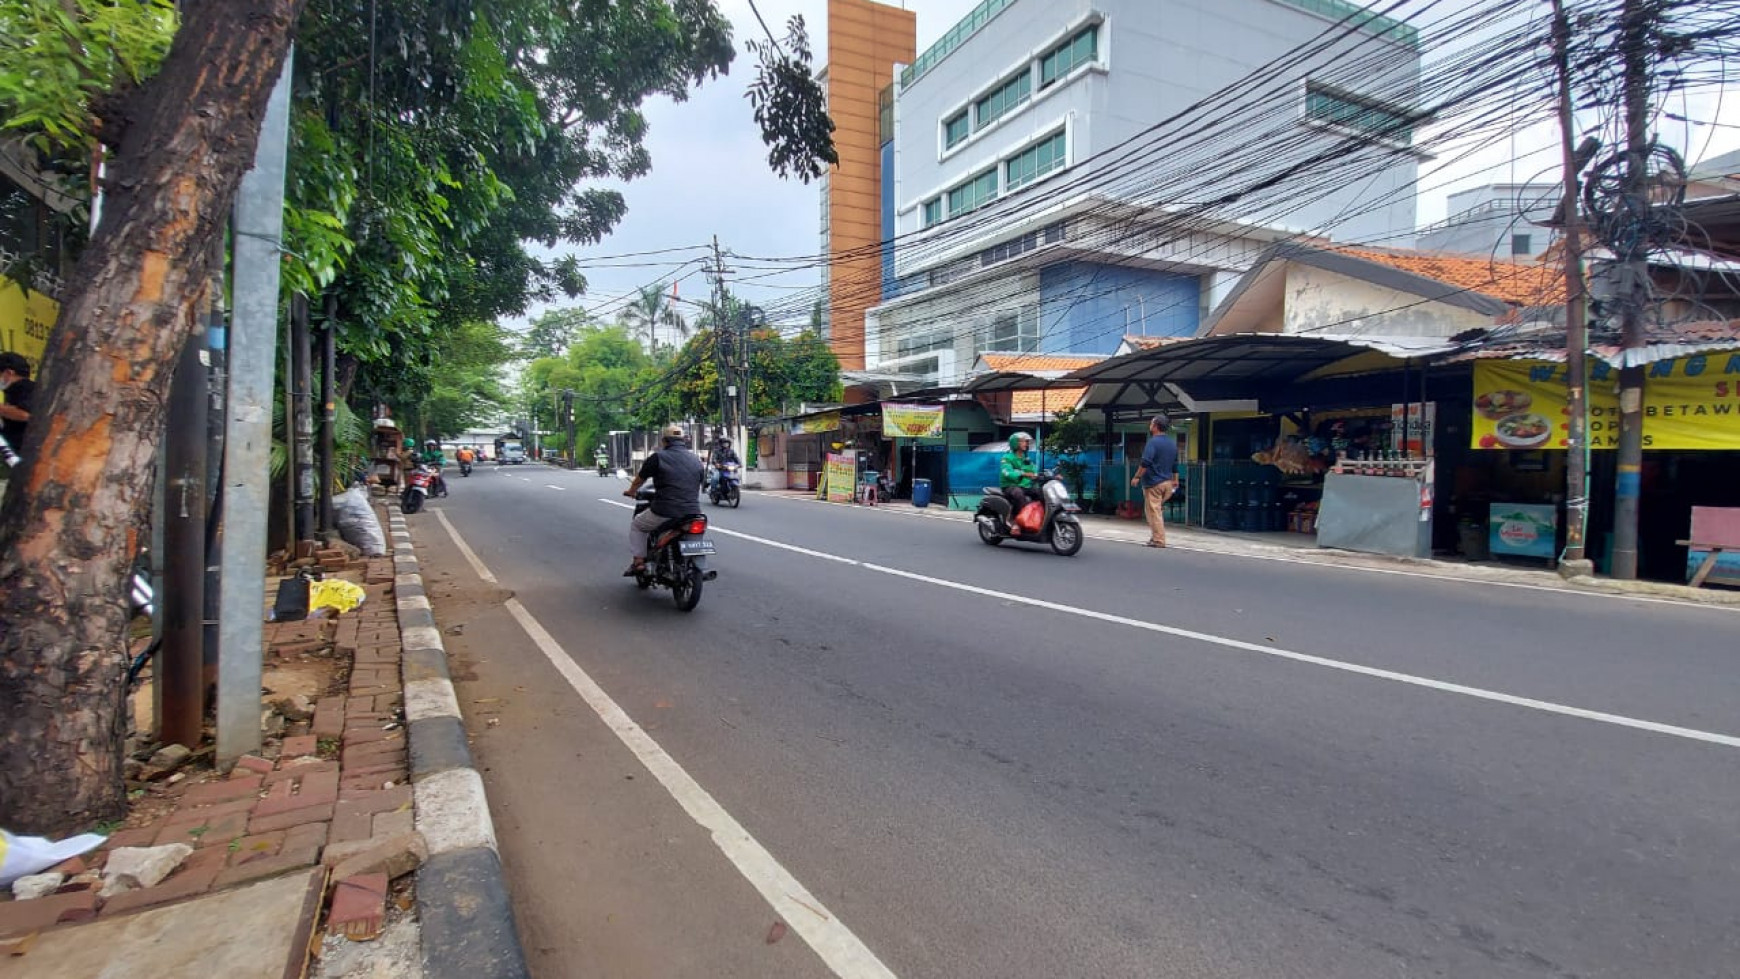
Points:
(1692, 403)
(912, 421)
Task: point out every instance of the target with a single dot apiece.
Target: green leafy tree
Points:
(1068, 439)
(553, 332)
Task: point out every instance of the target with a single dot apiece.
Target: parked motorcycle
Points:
(1059, 526)
(727, 485)
(677, 556)
(419, 483)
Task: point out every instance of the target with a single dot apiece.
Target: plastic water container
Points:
(921, 492)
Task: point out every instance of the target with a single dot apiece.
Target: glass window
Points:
(1002, 99)
(1519, 244)
(1366, 115)
(933, 212)
(973, 194)
(1063, 59)
(955, 129)
(1036, 161)
(1015, 331)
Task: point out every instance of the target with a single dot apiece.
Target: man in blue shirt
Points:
(1158, 477)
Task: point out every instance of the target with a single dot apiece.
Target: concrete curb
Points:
(463, 905)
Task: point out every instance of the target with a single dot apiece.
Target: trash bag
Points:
(1031, 518)
(336, 594)
(21, 856)
(357, 522)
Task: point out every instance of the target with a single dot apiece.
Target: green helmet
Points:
(1016, 440)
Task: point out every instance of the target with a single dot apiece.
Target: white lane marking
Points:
(554, 486)
(1282, 559)
(1443, 686)
(525, 479)
(833, 942)
(471, 557)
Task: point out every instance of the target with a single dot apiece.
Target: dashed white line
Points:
(1479, 693)
(846, 955)
(554, 486)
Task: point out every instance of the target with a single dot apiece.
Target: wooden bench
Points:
(1714, 529)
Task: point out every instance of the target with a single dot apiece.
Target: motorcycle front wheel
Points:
(1066, 537)
(733, 497)
(686, 592)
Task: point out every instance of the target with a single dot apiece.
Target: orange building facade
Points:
(865, 42)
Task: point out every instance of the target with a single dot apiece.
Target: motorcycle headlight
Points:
(1056, 492)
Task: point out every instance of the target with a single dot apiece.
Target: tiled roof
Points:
(1152, 343)
(1518, 283)
(1661, 341)
(1037, 362)
(1049, 401)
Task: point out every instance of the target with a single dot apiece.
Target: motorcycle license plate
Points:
(692, 548)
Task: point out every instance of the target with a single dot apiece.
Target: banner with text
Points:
(842, 476)
(1692, 403)
(912, 421)
(25, 318)
(827, 421)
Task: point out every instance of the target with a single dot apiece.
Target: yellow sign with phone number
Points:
(25, 319)
(1692, 403)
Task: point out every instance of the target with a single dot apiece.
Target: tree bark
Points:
(71, 521)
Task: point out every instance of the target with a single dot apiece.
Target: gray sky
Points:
(710, 176)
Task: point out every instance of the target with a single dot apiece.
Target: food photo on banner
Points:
(1692, 403)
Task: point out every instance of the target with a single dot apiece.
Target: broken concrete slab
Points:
(132, 867)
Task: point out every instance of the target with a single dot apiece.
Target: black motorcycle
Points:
(464, 468)
(677, 560)
(1060, 527)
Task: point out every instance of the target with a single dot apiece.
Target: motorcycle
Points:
(727, 485)
(604, 468)
(1059, 527)
(419, 483)
(677, 556)
(464, 468)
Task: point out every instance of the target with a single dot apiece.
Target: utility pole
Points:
(722, 331)
(328, 412)
(568, 408)
(181, 660)
(1632, 255)
(300, 415)
(1573, 561)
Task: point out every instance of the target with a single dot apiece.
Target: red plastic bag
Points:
(1031, 518)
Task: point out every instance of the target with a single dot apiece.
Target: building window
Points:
(924, 343)
(1003, 99)
(1063, 59)
(1366, 116)
(1036, 161)
(955, 129)
(973, 194)
(933, 212)
(1519, 244)
(1014, 331)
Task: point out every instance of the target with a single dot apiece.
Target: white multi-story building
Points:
(1067, 172)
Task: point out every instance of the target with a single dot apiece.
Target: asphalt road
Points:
(1316, 772)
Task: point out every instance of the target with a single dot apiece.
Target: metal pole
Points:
(328, 412)
(217, 344)
(301, 415)
(1634, 287)
(181, 660)
(1573, 562)
(259, 226)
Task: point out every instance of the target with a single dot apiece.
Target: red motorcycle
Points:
(419, 483)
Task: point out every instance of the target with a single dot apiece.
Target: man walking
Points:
(1158, 477)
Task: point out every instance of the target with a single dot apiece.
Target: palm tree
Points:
(653, 309)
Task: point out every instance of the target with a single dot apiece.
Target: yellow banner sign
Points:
(842, 475)
(813, 424)
(1692, 403)
(912, 421)
(25, 319)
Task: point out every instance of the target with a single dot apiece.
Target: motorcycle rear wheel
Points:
(987, 535)
(686, 592)
(412, 503)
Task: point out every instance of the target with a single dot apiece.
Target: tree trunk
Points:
(70, 526)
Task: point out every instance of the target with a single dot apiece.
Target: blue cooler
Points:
(921, 492)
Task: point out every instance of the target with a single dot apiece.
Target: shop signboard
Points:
(1412, 427)
(827, 421)
(1522, 529)
(25, 318)
(842, 477)
(912, 421)
(1692, 403)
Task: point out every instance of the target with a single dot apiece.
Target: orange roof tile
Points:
(1521, 283)
(1037, 362)
(1050, 400)
(1152, 343)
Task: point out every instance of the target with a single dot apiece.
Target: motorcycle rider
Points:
(434, 458)
(1019, 471)
(465, 456)
(601, 458)
(675, 472)
(718, 456)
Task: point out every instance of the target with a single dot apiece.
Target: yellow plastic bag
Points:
(336, 594)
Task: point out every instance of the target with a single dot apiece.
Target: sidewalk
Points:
(1301, 549)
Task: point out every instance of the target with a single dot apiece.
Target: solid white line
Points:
(833, 942)
(1479, 693)
(471, 557)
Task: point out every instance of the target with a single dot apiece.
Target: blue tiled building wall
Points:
(1087, 307)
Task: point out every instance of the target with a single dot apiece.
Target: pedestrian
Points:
(1158, 476)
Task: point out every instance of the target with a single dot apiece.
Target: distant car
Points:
(514, 454)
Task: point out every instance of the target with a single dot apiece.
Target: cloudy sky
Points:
(710, 176)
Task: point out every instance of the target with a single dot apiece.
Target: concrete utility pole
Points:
(1573, 561)
(1632, 254)
(328, 412)
(568, 416)
(722, 333)
(299, 415)
(259, 229)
